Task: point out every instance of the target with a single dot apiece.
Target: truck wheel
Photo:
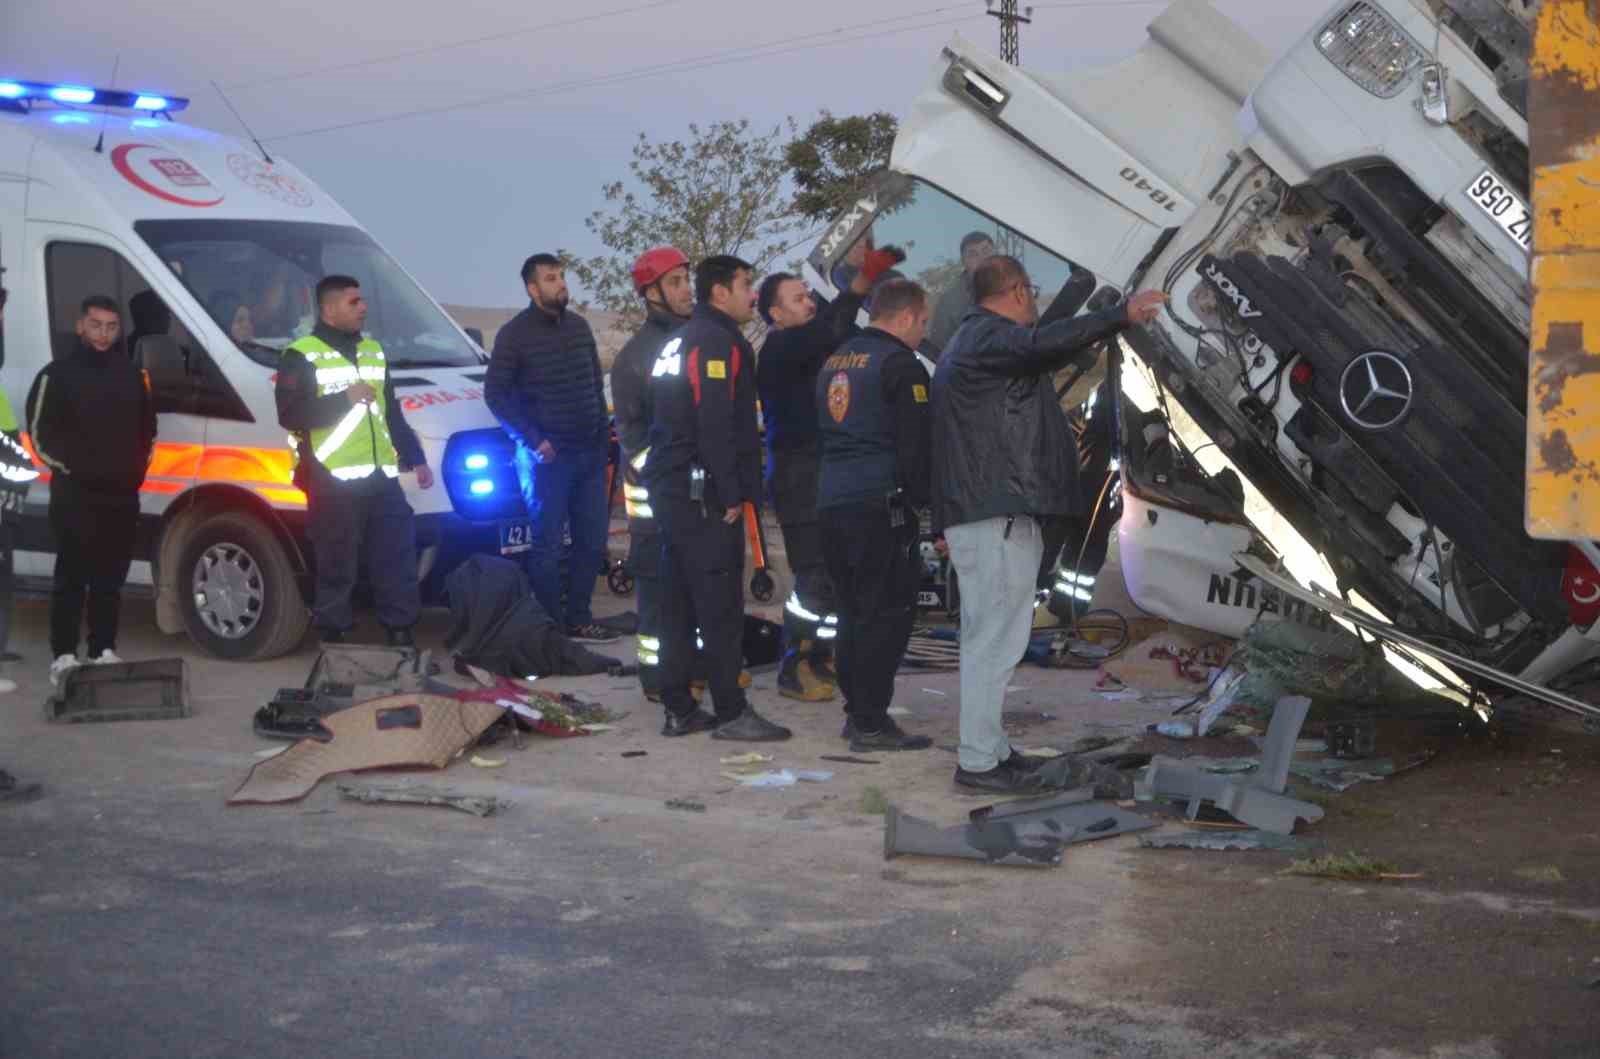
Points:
(237, 590)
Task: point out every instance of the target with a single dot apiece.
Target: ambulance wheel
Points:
(239, 596)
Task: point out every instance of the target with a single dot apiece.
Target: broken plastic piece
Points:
(1282, 732)
(481, 762)
(1259, 808)
(1222, 841)
(751, 758)
(635, 753)
(477, 805)
(846, 759)
(152, 690)
(996, 842)
(688, 805)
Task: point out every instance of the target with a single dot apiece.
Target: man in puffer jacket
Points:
(1004, 458)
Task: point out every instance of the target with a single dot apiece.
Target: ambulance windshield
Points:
(257, 278)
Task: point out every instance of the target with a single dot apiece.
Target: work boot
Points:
(797, 679)
(697, 688)
(822, 663)
(399, 638)
(888, 738)
(695, 721)
(751, 727)
(1004, 778)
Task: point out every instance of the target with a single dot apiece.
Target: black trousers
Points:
(702, 561)
(876, 568)
(94, 534)
(793, 485)
(8, 580)
(644, 564)
(370, 515)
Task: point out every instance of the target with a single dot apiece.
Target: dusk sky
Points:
(545, 100)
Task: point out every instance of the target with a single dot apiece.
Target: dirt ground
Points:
(1120, 951)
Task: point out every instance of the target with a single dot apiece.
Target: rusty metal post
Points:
(1563, 457)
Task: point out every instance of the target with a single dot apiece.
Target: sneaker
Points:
(107, 657)
(63, 665)
(7, 685)
(890, 737)
(1002, 779)
(697, 721)
(751, 727)
(592, 633)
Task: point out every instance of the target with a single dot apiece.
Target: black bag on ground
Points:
(497, 624)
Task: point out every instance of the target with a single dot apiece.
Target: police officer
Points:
(661, 276)
(799, 339)
(351, 442)
(873, 418)
(17, 472)
(704, 466)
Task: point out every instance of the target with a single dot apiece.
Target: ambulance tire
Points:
(259, 559)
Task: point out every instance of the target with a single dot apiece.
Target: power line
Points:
(726, 57)
(465, 42)
(1010, 45)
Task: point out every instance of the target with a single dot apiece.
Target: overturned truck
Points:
(1344, 233)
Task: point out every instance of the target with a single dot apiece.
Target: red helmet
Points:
(655, 263)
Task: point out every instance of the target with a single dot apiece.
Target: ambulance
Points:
(212, 248)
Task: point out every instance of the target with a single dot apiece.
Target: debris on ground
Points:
(874, 802)
(13, 791)
(1545, 873)
(478, 761)
(751, 758)
(477, 805)
(342, 676)
(155, 689)
(778, 777)
(1177, 659)
(847, 759)
(635, 753)
(999, 843)
(397, 731)
(688, 805)
(1349, 867)
(1170, 778)
(1227, 840)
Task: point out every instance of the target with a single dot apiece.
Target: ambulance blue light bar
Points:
(81, 95)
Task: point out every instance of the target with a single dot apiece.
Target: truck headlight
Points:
(1371, 49)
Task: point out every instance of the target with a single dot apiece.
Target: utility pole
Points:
(1009, 242)
(1009, 20)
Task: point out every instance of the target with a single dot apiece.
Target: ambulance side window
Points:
(183, 377)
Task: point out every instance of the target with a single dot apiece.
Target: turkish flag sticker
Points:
(1581, 587)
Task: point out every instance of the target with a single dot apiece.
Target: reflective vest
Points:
(358, 444)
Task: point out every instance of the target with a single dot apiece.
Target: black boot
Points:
(751, 727)
(688, 724)
(889, 737)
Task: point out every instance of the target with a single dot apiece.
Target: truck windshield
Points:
(944, 240)
(257, 278)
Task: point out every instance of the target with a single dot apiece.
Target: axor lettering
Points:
(1241, 303)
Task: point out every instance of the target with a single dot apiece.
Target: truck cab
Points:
(211, 248)
(1344, 234)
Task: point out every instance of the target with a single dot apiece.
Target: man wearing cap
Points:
(661, 276)
(800, 338)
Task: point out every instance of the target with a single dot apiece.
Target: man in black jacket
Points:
(661, 276)
(544, 385)
(874, 423)
(800, 339)
(704, 466)
(94, 425)
(351, 476)
(992, 486)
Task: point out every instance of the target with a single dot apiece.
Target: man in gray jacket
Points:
(1003, 459)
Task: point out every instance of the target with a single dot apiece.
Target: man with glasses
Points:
(992, 487)
(93, 425)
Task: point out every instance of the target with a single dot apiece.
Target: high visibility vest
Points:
(16, 466)
(358, 444)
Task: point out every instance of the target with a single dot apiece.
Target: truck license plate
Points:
(516, 535)
(1504, 206)
(930, 599)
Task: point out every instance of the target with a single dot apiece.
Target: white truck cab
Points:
(212, 250)
(1343, 231)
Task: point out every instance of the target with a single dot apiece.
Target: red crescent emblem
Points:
(176, 171)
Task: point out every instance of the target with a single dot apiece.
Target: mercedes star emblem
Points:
(1376, 390)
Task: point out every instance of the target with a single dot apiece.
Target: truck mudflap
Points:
(1563, 441)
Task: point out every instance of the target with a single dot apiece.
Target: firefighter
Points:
(351, 441)
(661, 277)
(704, 466)
(800, 339)
(875, 428)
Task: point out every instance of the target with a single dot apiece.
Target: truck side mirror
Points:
(1070, 298)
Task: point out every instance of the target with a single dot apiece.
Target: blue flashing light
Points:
(70, 119)
(72, 94)
(482, 486)
(150, 103)
(477, 462)
(11, 90)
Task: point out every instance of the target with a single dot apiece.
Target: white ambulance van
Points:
(212, 249)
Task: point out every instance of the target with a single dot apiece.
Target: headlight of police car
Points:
(1371, 49)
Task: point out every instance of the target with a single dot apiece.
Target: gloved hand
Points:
(879, 261)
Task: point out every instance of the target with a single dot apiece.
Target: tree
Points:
(833, 162)
(719, 192)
